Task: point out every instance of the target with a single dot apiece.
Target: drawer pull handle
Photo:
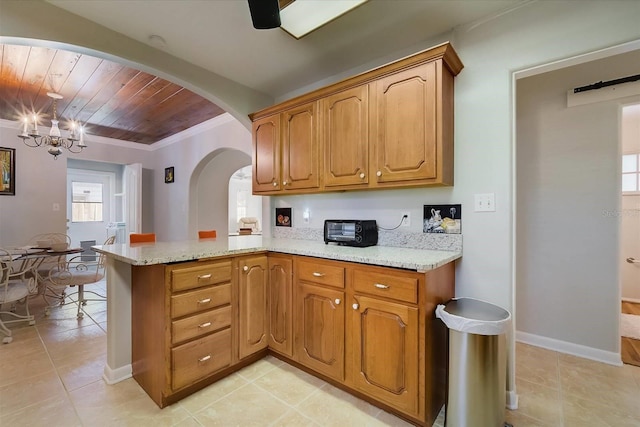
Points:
(204, 325)
(316, 274)
(204, 301)
(205, 358)
(204, 276)
(381, 286)
(355, 306)
(337, 301)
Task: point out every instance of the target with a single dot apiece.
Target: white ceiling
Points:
(218, 35)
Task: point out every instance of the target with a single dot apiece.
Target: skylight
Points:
(300, 17)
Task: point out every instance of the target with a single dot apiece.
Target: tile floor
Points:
(50, 375)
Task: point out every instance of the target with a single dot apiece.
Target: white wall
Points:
(213, 190)
(41, 182)
(176, 212)
(568, 186)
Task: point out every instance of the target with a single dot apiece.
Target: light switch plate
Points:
(485, 202)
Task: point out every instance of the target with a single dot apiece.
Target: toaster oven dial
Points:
(358, 228)
(358, 238)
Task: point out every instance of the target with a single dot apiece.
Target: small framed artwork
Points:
(8, 169)
(168, 175)
(283, 217)
(442, 219)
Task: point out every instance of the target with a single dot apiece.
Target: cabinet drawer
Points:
(321, 273)
(195, 360)
(199, 300)
(201, 275)
(200, 324)
(400, 288)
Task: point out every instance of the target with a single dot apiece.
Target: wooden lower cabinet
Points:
(385, 352)
(253, 279)
(319, 336)
(370, 330)
(280, 304)
(181, 326)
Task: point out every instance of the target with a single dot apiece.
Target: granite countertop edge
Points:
(171, 252)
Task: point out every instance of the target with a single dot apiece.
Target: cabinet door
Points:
(319, 329)
(280, 305)
(300, 148)
(385, 352)
(346, 137)
(406, 125)
(266, 154)
(254, 322)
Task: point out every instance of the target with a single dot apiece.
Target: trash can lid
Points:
(474, 316)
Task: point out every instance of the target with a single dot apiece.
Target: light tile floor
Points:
(50, 375)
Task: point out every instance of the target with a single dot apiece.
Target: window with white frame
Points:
(631, 173)
(86, 202)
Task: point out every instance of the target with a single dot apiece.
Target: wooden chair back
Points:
(142, 237)
(207, 234)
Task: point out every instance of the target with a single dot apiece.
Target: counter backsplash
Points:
(401, 239)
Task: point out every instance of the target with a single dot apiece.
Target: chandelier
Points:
(74, 143)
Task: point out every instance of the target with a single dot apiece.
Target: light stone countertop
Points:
(188, 250)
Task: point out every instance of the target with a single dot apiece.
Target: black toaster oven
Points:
(351, 232)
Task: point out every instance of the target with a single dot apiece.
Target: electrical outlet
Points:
(406, 219)
(306, 216)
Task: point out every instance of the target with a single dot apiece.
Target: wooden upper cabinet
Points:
(300, 148)
(346, 137)
(405, 140)
(389, 127)
(266, 154)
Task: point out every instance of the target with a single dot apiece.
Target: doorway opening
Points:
(245, 209)
(630, 235)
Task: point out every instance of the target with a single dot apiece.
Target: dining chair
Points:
(74, 273)
(15, 288)
(142, 237)
(207, 234)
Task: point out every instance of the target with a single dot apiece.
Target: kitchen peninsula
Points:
(181, 315)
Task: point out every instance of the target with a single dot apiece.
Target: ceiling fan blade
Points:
(265, 14)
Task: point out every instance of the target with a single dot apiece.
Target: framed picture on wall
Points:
(283, 217)
(8, 171)
(168, 175)
(442, 219)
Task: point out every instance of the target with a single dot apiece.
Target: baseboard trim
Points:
(113, 376)
(512, 400)
(637, 301)
(591, 353)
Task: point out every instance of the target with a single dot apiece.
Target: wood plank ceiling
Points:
(109, 99)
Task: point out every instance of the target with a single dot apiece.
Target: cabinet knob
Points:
(379, 173)
(362, 175)
(337, 301)
(245, 268)
(355, 306)
(275, 184)
(284, 183)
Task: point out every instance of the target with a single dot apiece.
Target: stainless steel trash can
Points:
(476, 395)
